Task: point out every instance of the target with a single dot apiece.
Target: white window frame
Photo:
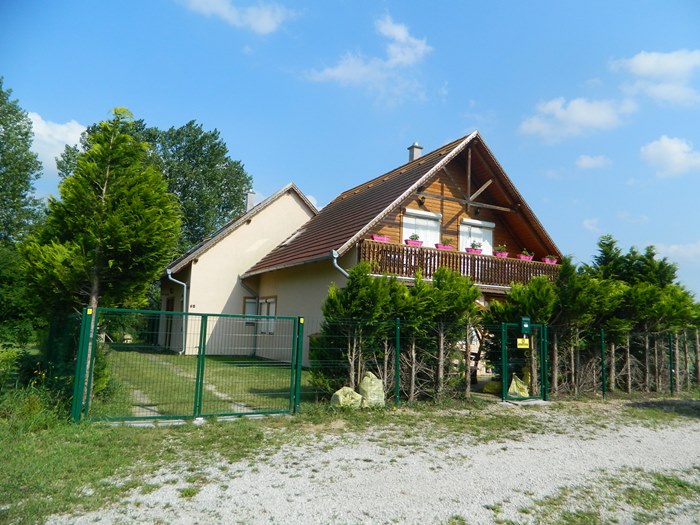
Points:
(475, 230)
(424, 223)
(267, 306)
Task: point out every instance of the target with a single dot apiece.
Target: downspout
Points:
(185, 305)
(334, 258)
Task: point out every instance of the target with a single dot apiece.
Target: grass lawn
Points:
(149, 384)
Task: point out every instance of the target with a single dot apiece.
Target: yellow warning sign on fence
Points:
(523, 342)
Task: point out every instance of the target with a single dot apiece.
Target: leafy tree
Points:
(113, 230)
(415, 312)
(19, 212)
(211, 187)
(454, 307)
(355, 318)
(19, 168)
(195, 163)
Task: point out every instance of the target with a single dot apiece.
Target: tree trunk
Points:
(612, 367)
(572, 363)
(657, 368)
(385, 379)
(534, 384)
(467, 365)
(647, 366)
(676, 363)
(686, 364)
(441, 362)
(628, 359)
(555, 364)
(352, 341)
(413, 367)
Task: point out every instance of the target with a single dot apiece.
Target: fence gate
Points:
(521, 359)
(140, 364)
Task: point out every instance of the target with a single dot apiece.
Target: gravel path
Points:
(374, 479)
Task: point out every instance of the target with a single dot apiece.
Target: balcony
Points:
(486, 270)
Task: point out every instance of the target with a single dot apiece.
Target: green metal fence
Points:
(135, 365)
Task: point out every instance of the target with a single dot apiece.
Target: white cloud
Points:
(665, 77)
(689, 251)
(261, 18)
(629, 218)
(382, 75)
(677, 64)
(556, 119)
(588, 162)
(671, 156)
(591, 225)
(50, 138)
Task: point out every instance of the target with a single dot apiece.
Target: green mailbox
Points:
(525, 325)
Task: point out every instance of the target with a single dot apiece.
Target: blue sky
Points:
(592, 107)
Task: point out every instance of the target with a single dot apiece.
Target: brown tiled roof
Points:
(344, 221)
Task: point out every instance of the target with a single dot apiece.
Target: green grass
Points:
(155, 384)
(71, 467)
(645, 497)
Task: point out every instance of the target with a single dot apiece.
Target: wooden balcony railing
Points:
(404, 261)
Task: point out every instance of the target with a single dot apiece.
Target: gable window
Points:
(424, 224)
(472, 230)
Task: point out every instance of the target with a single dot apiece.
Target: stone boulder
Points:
(372, 391)
(346, 397)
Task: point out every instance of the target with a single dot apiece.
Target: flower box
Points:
(474, 250)
(445, 247)
(502, 255)
(549, 260)
(524, 257)
(380, 238)
(411, 242)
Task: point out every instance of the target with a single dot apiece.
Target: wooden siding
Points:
(405, 261)
(453, 186)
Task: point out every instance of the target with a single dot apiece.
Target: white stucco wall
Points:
(212, 277)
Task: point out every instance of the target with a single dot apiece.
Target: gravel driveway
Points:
(381, 477)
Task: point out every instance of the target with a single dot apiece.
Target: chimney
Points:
(414, 151)
(249, 201)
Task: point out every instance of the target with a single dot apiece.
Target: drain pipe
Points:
(334, 258)
(185, 307)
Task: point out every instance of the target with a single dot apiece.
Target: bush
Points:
(31, 408)
(9, 367)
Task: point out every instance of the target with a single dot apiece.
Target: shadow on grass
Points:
(680, 407)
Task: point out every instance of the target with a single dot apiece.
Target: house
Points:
(459, 191)
(207, 278)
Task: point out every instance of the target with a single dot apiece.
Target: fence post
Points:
(93, 334)
(80, 361)
(397, 364)
(299, 351)
(603, 376)
(201, 355)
